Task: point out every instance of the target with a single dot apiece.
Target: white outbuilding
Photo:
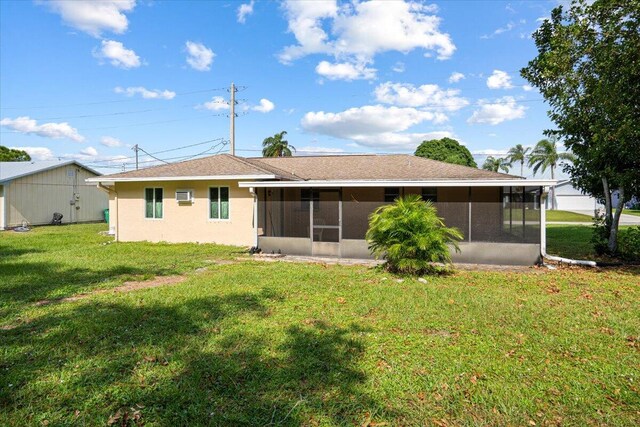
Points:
(31, 192)
(570, 198)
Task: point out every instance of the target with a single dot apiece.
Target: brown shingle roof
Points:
(218, 165)
(375, 167)
(401, 167)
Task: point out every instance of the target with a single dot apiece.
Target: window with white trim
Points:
(219, 203)
(153, 203)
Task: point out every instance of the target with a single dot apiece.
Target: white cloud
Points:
(372, 125)
(497, 112)
(489, 152)
(319, 150)
(399, 67)
(217, 103)
(29, 126)
(427, 96)
(109, 141)
(455, 77)
(510, 26)
(94, 17)
(499, 80)
(265, 106)
(146, 93)
(345, 71)
(361, 30)
(117, 55)
(244, 10)
(37, 153)
(527, 88)
(199, 57)
(89, 152)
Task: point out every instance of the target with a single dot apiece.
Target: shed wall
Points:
(34, 198)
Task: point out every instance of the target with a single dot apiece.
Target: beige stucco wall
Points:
(36, 197)
(183, 222)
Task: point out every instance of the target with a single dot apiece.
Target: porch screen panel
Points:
(284, 213)
(357, 205)
(455, 214)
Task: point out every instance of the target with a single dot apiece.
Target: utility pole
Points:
(135, 148)
(232, 115)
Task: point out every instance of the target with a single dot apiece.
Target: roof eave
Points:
(107, 179)
(403, 183)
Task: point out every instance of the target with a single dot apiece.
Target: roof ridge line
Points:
(258, 160)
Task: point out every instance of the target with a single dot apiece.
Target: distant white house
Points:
(32, 192)
(570, 198)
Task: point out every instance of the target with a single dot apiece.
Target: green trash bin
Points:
(106, 216)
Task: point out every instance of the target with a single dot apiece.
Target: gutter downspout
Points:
(109, 190)
(543, 237)
(252, 190)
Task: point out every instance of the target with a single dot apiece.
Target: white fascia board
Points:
(106, 179)
(425, 183)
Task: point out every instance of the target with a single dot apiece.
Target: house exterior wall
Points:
(183, 222)
(34, 198)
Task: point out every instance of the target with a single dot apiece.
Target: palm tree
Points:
(518, 154)
(545, 155)
(276, 146)
(495, 165)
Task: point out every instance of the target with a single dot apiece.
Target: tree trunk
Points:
(522, 168)
(607, 201)
(613, 232)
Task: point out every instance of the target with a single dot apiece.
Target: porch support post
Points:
(255, 216)
(469, 214)
(311, 221)
(340, 222)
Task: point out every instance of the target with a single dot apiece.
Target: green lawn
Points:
(566, 216)
(254, 343)
(631, 212)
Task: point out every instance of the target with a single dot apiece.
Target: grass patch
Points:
(256, 343)
(631, 212)
(566, 216)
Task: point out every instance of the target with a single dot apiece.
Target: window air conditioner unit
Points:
(184, 196)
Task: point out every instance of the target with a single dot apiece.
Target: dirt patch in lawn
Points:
(125, 287)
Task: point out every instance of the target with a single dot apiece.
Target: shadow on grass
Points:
(193, 363)
(30, 281)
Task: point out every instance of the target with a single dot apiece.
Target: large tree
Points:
(588, 70)
(496, 164)
(277, 146)
(13, 155)
(518, 154)
(446, 150)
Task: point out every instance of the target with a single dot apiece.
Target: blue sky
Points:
(88, 80)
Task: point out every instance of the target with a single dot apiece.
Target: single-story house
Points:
(569, 198)
(319, 205)
(32, 192)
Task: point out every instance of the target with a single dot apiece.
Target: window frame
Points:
(219, 219)
(387, 190)
(144, 196)
(424, 193)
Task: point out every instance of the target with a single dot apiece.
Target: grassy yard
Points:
(566, 216)
(631, 212)
(255, 343)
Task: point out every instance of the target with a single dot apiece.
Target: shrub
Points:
(629, 243)
(410, 236)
